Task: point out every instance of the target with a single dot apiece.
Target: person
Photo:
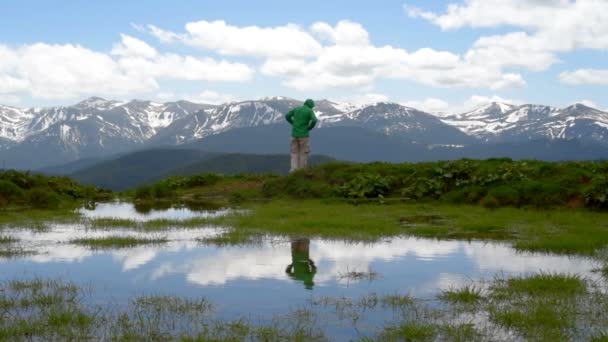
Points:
(302, 268)
(302, 120)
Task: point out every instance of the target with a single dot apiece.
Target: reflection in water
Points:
(153, 211)
(302, 268)
(147, 207)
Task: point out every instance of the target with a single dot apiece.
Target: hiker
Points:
(302, 120)
(301, 267)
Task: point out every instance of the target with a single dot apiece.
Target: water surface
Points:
(269, 278)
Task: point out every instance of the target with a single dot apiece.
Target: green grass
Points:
(112, 222)
(7, 240)
(151, 225)
(539, 285)
(36, 218)
(466, 295)
(233, 238)
(542, 308)
(568, 231)
(56, 311)
(111, 242)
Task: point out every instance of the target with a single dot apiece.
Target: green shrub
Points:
(161, 190)
(202, 180)
(543, 193)
(490, 202)
(505, 195)
(469, 194)
(596, 195)
(144, 192)
(43, 198)
(365, 186)
(10, 191)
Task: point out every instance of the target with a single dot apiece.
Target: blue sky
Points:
(419, 53)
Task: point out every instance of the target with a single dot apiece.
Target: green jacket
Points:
(302, 119)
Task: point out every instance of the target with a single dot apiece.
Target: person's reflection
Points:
(301, 267)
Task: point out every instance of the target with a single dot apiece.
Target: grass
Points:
(354, 275)
(112, 222)
(539, 285)
(543, 307)
(568, 231)
(468, 295)
(118, 242)
(7, 240)
(150, 225)
(36, 218)
(233, 238)
(57, 311)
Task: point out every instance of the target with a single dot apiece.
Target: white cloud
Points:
(585, 76)
(133, 47)
(206, 96)
(551, 26)
(281, 41)
(342, 57)
(592, 104)
(477, 101)
(212, 97)
(345, 33)
(365, 99)
(430, 105)
(66, 71)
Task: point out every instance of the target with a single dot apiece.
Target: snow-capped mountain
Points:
(93, 127)
(499, 122)
(396, 120)
(35, 137)
(265, 111)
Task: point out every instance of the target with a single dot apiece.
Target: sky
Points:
(439, 56)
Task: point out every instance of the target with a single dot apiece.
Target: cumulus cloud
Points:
(430, 105)
(206, 96)
(365, 99)
(585, 76)
(280, 41)
(53, 71)
(477, 101)
(339, 56)
(572, 25)
(212, 97)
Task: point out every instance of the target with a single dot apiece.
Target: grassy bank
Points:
(571, 231)
(29, 190)
(490, 183)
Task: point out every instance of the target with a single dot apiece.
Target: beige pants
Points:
(300, 150)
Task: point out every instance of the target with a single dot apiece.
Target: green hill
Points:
(138, 168)
(235, 163)
(148, 166)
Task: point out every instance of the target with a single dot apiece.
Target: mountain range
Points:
(95, 128)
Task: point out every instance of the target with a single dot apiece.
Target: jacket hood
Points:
(309, 103)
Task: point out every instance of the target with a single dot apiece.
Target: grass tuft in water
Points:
(112, 222)
(355, 275)
(540, 284)
(540, 307)
(233, 237)
(118, 242)
(468, 295)
(7, 240)
(8, 250)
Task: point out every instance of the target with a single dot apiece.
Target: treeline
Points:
(491, 183)
(25, 189)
